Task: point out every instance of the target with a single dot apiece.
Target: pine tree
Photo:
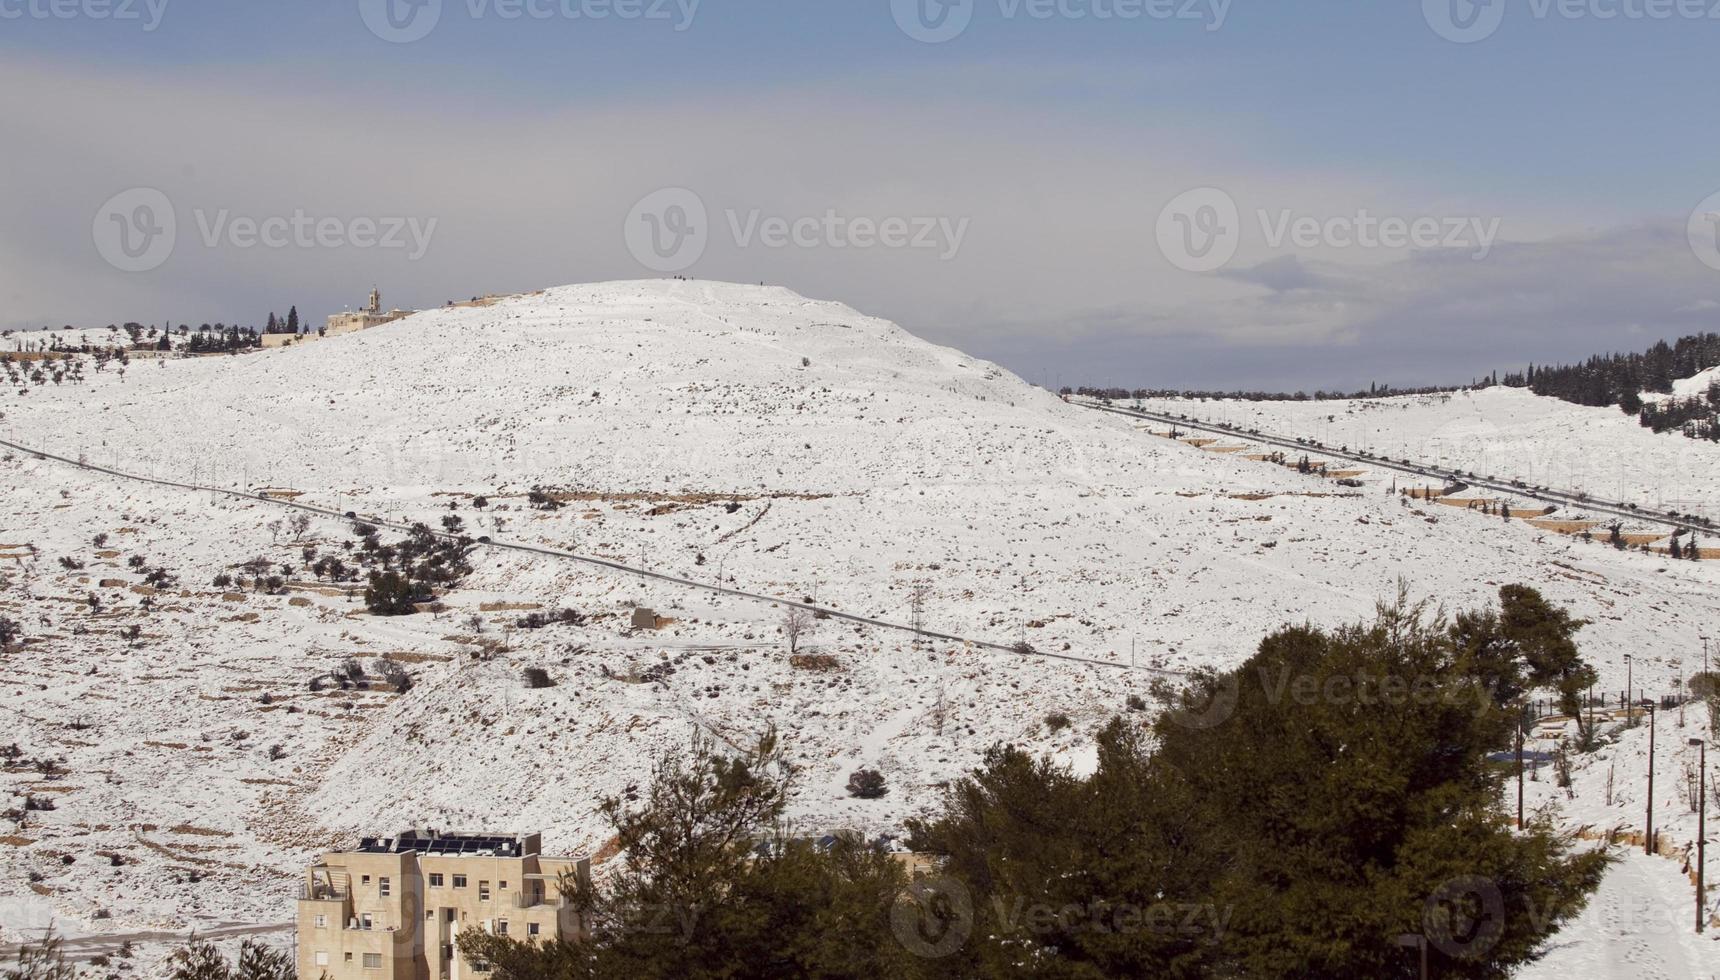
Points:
(293, 320)
(1324, 826)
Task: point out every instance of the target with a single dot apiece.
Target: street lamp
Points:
(1414, 941)
(1701, 830)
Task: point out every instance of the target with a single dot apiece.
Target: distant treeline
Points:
(1374, 391)
(1620, 379)
(1617, 379)
(206, 339)
(1602, 380)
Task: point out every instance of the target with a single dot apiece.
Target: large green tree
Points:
(1300, 816)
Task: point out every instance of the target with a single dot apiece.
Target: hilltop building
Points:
(394, 908)
(342, 323)
(371, 316)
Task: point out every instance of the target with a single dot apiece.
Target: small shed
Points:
(645, 619)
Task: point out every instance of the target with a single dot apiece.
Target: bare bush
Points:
(797, 624)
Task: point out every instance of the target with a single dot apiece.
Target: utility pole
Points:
(1648, 842)
(1629, 697)
(1519, 768)
(1701, 833)
(1678, 665)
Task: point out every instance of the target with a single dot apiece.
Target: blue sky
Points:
(1056, 140)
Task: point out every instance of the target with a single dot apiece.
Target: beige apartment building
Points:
(394, 908)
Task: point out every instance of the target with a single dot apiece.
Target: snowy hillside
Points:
(731, 434)
(1510, 433)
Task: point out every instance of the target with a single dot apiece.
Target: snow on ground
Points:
(1641, 922)
(742, 434)
(1509, 433)
(1692, 387)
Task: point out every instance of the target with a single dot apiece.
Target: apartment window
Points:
(322, 957)
(348, 958)
(364, 921)
(366, 879)
(501, 886)
(532, 928)
(483, 891)
(383, 885)
(373, 961)
(435, 881)
(322, 922)
(501, 927)
(429, 915)
(459, 881)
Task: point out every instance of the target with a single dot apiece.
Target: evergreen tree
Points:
(1314, 820)
(712, 886)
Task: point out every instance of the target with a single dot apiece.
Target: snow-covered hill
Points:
(1509, 433)
(738, 434)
